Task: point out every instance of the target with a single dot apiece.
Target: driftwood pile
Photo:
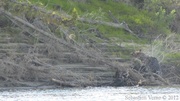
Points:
(16, 69)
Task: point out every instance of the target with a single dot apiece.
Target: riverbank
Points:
(39, 50)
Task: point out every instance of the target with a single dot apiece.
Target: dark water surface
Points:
(92, 94)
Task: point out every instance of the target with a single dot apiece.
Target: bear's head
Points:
(138, 54)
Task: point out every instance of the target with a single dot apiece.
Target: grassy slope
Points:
(97, 9)
(140, 21)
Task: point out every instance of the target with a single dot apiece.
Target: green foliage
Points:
(140, 21)
(162, 17)
(95, 15)
(173, 56)
(74, 14)
(164, 14)
(154, 19)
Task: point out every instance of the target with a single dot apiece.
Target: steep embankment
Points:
(36, 50)
(26, 60)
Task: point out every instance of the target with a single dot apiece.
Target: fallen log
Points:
(122, 25)
(63, 84)
(157, 79)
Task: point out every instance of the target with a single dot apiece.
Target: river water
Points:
(91, 94)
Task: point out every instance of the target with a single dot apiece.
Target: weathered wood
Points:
(78, 49)
(122, 25)
(62, 83)
(94, 56)
(158, 78)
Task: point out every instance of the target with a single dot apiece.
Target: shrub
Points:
(163, 13)
(164, 48)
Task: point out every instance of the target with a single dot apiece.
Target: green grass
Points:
(121, 11)
(174, 56)
(139, 21)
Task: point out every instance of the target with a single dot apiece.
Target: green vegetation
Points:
(142, 22)
(147, 23)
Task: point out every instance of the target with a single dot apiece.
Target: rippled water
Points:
(92, 94)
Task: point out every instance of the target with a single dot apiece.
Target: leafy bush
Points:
(164, 14)
(95, 15)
